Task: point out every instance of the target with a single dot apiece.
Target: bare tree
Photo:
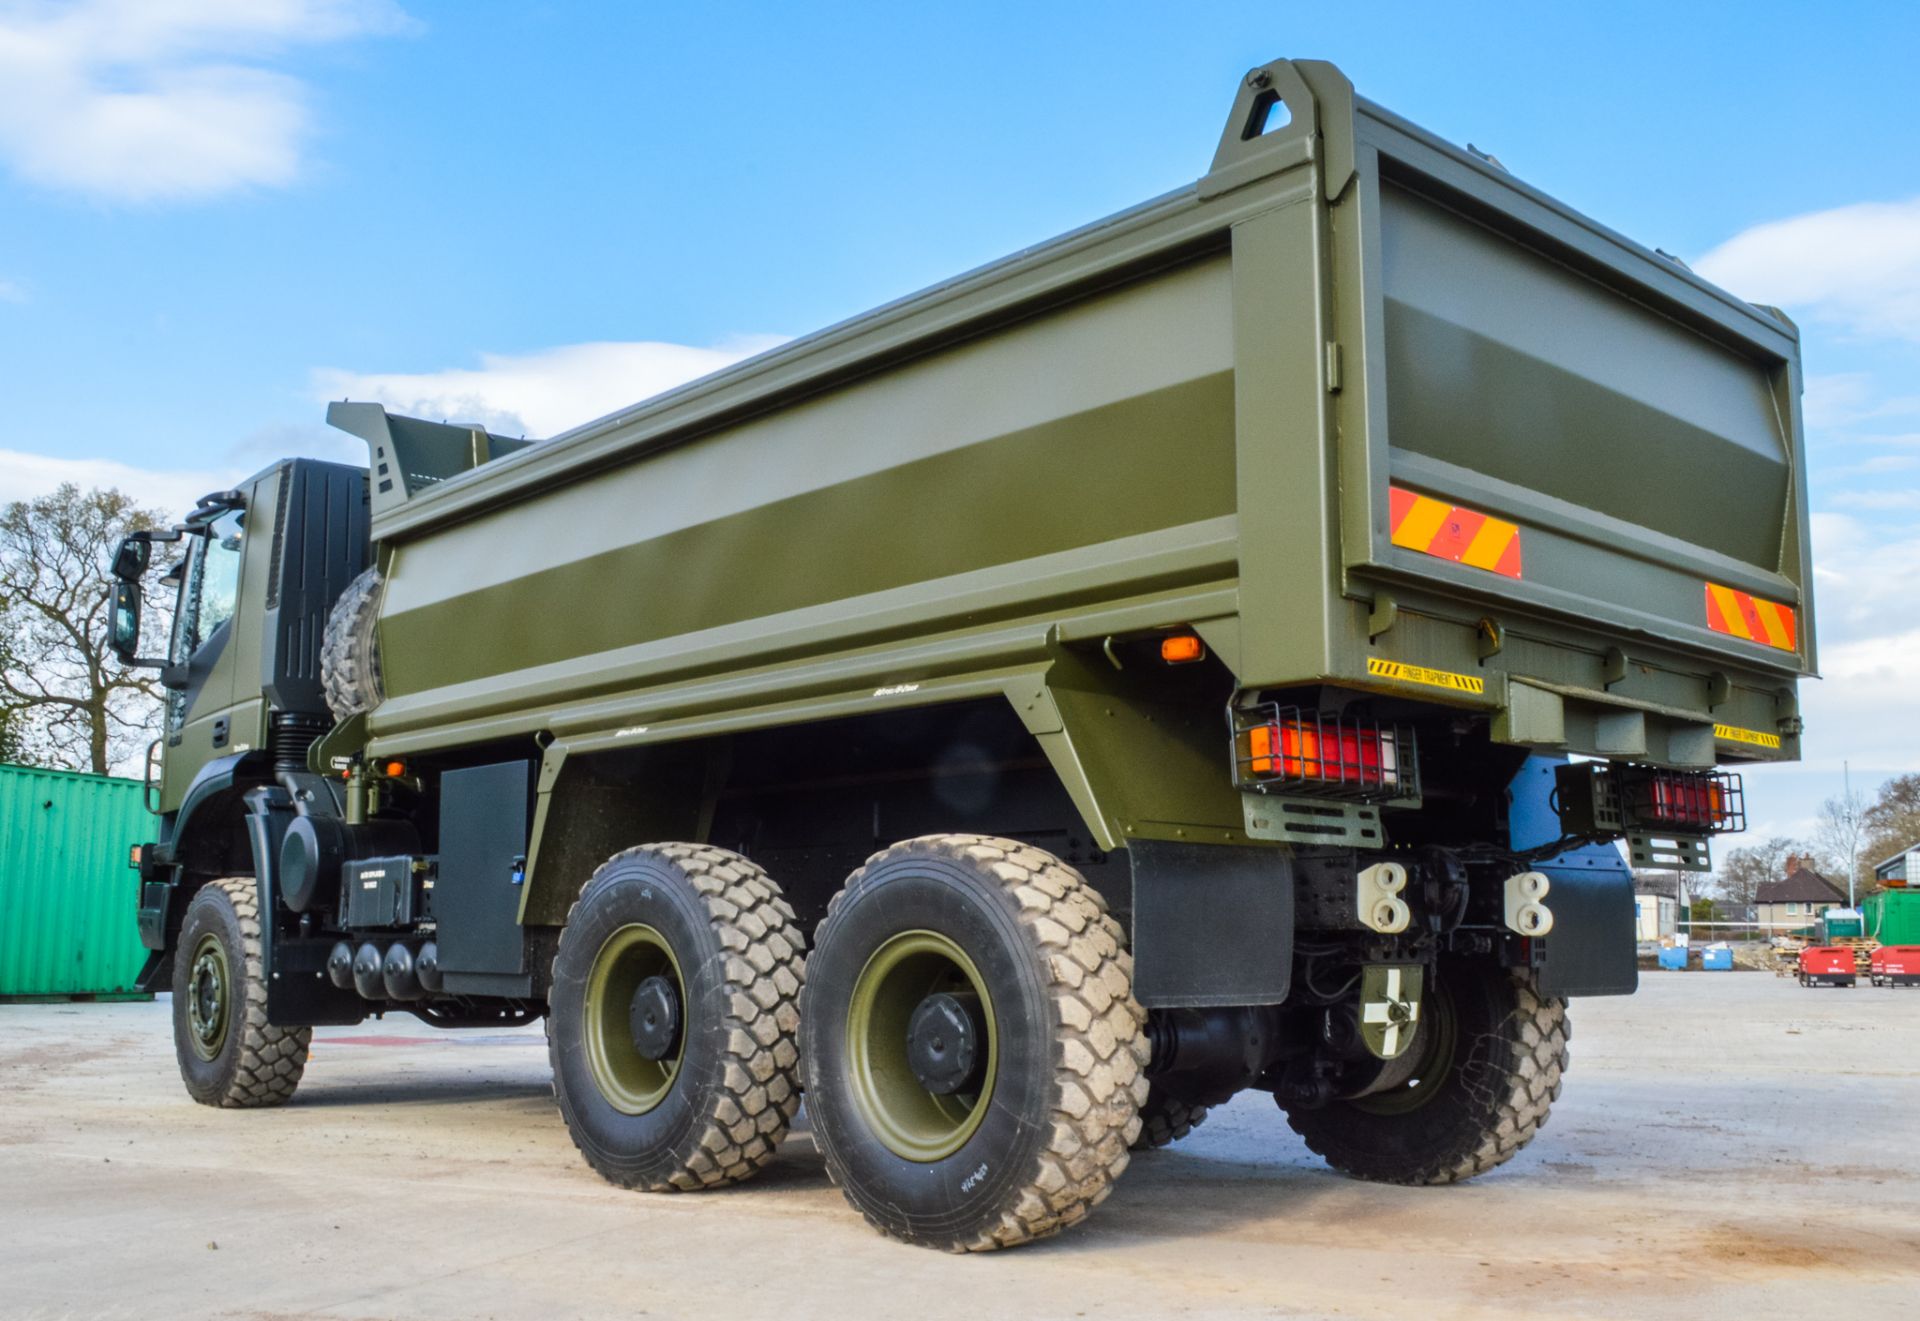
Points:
(1742, 871)
(10, 749)
(1841, 832)
(67, 700)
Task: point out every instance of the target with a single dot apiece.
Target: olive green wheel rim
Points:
(209, 997)
(1438, 1038)
(909, 1120)
(631, 1083)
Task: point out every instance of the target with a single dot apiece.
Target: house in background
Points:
(1655, 917)
(1797, 899)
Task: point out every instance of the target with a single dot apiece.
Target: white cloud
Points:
(1855, 266)
(24, 476)
(146, 100)
(11, 292)
(1894, 500)
(1865, 707)
(545, 392)
(1877, 466)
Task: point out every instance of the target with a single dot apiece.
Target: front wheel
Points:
(975, 1059)
(1484, 1072)
(229, 1054)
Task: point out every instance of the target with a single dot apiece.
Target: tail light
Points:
(1703, 802)
(1290, 750)
(1597, 798)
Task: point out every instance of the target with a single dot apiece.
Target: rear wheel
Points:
(974, 1056)
(229, 1054)
(1165, 1119)
(1482, 1076)
(674, 1011)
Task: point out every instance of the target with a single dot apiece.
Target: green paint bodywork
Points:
(1188, 414)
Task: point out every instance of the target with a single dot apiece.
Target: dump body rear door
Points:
(1630, 432)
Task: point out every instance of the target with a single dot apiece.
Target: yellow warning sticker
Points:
(1735, 734)
(1404, 673)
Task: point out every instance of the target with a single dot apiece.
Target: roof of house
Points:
(1803, 885)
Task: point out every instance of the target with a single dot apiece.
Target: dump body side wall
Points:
(1109, 421)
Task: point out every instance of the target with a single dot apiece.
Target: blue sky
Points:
(214, 213)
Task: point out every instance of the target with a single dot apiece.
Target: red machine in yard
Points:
(1826, 965)
(1895, 965)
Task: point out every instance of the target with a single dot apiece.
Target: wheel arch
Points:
(863, 770)
(206, 838)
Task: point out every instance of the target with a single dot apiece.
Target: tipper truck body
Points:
(1227, 646)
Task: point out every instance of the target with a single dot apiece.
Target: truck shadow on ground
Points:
(429, 1091)
(1275, 1192)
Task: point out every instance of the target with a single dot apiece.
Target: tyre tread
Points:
(1100, 1054)
(1529, 1064)
(765, 967)
(1165, 1119)
(350, 672)
(271, 1059)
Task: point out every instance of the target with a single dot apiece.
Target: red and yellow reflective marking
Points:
(1454, 532)
(1751, 617)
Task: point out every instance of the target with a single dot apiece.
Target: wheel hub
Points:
(944, 1040)
(631, 1020)
(921, 1045)
(654, 1018)
(208, 991)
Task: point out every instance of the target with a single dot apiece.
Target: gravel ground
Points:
(1727, 1146)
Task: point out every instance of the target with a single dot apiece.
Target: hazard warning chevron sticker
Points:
(1454, 532)
(1751, 617)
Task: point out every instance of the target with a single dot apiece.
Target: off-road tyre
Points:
(741, 957)
(350, 648)
(1165, 1119)
(1068, 1079)
(1509, 1052)
(256, 1063)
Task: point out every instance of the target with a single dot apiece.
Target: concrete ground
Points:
(1729, 1145)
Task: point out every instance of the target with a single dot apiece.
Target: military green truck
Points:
(1228, 646)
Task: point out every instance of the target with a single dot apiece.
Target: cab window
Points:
(210, 589)
(220, 580)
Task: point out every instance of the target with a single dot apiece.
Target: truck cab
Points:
(254, 572)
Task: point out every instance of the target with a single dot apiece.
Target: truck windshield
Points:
(211, 587)
(220, 578)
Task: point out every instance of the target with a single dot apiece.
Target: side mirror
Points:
(130, 561)
(123, 626)
(123, 615)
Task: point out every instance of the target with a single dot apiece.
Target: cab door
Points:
(202, 660)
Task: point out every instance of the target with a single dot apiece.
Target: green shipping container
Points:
(67, 896)
(1893, 916)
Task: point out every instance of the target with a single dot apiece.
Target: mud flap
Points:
(1212, 925)
(1591, 949)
